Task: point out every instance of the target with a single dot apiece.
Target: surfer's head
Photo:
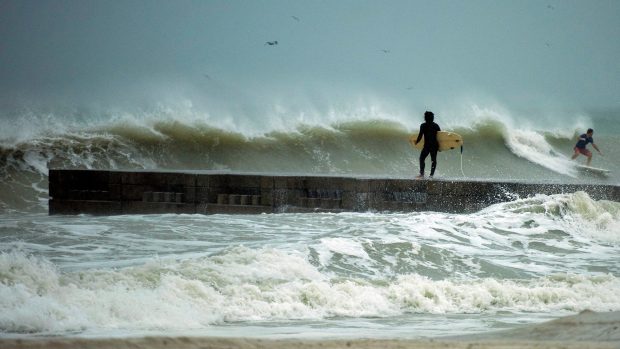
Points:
(429, 116)
(590, 131)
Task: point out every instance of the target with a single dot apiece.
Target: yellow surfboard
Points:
(447, 140)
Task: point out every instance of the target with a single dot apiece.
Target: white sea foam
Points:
(266, 284)
(544, 254)
(345, 247)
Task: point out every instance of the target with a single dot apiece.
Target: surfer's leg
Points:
(588, 153)
(423, 156)
(577, 152)
(433, 161)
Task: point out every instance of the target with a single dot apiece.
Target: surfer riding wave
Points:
(580, 147)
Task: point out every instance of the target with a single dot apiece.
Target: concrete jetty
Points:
(103, 192)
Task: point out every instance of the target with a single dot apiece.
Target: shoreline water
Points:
(328, 276)
(585, 330)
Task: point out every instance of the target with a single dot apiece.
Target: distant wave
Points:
(493, 149)
(351, 146)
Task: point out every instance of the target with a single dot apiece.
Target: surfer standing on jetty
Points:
(429, 130)
(580, 147)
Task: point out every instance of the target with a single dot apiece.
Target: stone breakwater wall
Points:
(102, 192)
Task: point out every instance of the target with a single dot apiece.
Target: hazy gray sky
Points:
(518, 52)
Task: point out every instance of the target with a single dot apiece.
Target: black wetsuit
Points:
(431, 146)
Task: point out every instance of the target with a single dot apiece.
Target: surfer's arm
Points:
(420, 134)
(597, 149)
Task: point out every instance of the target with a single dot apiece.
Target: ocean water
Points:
(318, 275)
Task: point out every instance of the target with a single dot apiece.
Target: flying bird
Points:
(295, 18)
(271, 43)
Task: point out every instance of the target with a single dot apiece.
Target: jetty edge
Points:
(116, 192)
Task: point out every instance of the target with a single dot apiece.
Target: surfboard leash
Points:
(463, 173)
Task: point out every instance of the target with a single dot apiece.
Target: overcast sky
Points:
(518, 52)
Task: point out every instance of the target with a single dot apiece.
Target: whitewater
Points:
(315, 275)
